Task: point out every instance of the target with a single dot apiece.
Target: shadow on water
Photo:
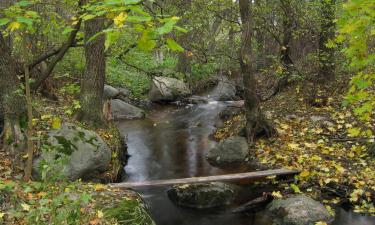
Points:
(171, 143)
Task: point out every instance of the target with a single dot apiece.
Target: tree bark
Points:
(287, 24)
(11, 98)
(327, 32)
(256, 123)
(92, 81)
(184, 60)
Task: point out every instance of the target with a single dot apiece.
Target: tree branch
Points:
(64, 48)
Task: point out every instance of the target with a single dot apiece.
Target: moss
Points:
(129, 212)
(67, 146)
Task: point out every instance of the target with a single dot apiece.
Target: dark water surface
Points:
(171, 143)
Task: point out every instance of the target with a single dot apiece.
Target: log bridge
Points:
(227, 177)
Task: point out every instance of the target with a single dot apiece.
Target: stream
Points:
(171, 143)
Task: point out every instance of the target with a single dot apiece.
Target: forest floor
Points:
(322, 142)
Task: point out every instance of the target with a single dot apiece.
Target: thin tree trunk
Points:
(92, 81)
(30, 147)
(327, 32)
(11, 98)
(287, 23)
(256, 124)
(184, 60)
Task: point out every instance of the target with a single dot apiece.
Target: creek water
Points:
(171, 143)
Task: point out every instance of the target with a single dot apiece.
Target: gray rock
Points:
(298, 210)
(74, 153)
(230, 112)
(316, 118)
(232, 150)
(224, 91)
(124, 111)
(167, 89)
(200, 196)
(124, 92)
(110, 92)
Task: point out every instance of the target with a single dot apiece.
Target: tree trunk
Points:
(256, 122)
(327, 32)
(92, 81)
(184, 60)
(287, 23)
(12, 99)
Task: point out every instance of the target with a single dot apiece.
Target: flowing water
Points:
(171, 143)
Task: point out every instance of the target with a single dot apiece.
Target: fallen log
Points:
(227, 177)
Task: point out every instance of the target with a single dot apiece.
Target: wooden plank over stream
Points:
(227, 177)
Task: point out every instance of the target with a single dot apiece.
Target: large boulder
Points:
(232, 150)
(73, 152)
(206, 195)
(225, 90)
(167, 89)
(110, 92)
(297, 210)
(124, 111)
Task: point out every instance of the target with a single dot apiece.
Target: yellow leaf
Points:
(100, 214)
(293, 145)
(1, 215)
(304, 173)
(321, 223)
(99, 187)
(120, 19)
(14, 26)
(46, 117)
(277, 194)
(354, 132)
(41, 194)
(25, 207)
(56, 123)
(316, 158)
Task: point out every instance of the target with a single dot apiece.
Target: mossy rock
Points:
(123, 208)
(207, 195)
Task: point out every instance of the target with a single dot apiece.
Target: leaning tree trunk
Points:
(327, 32)
(256, 123)
(92, 81)
(11, 99)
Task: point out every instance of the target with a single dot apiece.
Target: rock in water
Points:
(201, 196)
(110, 92)
(298, 210)
(74, 153)
(166, 89)
(224, 91)
(232, 150)
(124, 111)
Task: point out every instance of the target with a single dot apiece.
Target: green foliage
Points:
(119, 75)
(129, 213)
(356, 27)
(130, 16)
(44, 203)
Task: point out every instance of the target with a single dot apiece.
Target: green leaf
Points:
(131, 2)
(4, 21)
(25, 20)
(174, 46)
(167, 27)
(295, 188)
(23, 3)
